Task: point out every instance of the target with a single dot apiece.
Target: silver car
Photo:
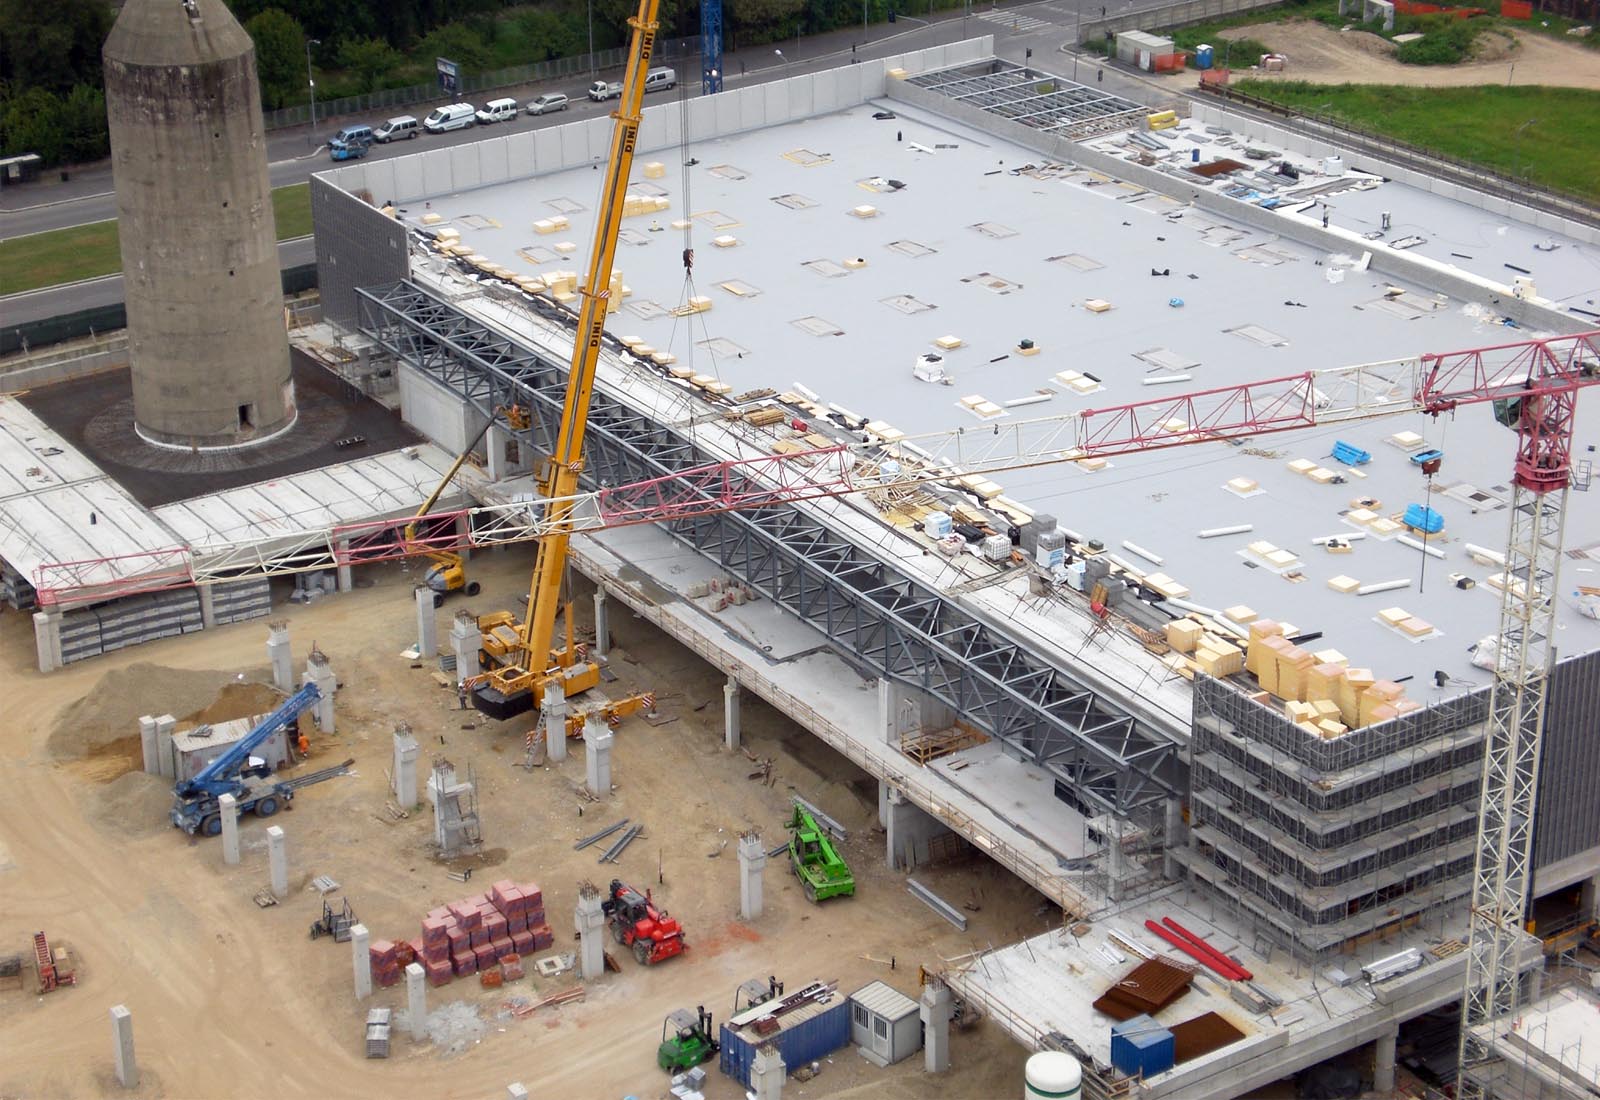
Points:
(550, 101)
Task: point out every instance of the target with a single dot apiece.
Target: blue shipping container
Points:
(1140, 1047)
(803, 1041)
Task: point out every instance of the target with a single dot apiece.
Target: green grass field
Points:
(1488, 125)
(89, 251)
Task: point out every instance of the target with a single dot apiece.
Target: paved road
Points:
(87, 196)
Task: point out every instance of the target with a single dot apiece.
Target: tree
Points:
(280, 45)
(52, 46)
(459, 43)
(369, 58)
(84, 133)
(31, 123)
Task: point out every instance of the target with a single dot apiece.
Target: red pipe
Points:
(1191, 950)
(1244, 975)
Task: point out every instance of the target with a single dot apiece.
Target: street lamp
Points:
(591, 36)
(1517, 171)
(311, 138)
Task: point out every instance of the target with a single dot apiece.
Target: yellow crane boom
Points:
(522, 655)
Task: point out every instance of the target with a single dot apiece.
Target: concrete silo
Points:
(199, 251)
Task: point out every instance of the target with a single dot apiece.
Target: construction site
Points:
(923, 556)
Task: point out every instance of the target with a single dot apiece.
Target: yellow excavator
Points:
(447, 572)
(519, 657)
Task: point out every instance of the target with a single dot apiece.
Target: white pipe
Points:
(1222, 623)
(846, 413)
(1236, 529)
(1196, 608)
(807, 393)
(1383, 586)
(1348, 536)
(1407, 540)
(1070, 533)
(1488, 555)
(1167, 378)
(1124, 566)
(1031, 399)
(1135, 548)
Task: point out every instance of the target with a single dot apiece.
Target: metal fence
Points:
(515, 76)
(1177, 15)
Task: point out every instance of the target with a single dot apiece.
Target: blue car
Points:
(353, 150)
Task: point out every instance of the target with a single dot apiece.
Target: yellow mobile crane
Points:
(519, 655)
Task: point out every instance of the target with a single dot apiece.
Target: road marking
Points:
(1021, 24)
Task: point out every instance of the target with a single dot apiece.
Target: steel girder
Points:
(882, 620)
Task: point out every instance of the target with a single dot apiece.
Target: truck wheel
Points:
(473, 588)
(641, 951)
(438, 599)
(211, 825)
(811, 893)
(267, 807)
(620, 934)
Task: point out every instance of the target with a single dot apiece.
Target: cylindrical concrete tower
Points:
(199, 247)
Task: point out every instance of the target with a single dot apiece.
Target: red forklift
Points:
(636, 922)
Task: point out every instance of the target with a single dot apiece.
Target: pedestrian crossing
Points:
(1014, 21)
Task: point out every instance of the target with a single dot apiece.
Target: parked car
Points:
(356, 134)
(497, 110)
(457, 116)
(605, 89)
(545, 104)
(659, 80)
(401, 126)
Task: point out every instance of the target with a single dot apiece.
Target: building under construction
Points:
(1160, 661)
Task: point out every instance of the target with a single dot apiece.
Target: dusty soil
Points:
(231, 999)
(1323, 55)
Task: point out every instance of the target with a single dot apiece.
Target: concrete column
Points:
(516, 1091)
(229, 807)
(122, 1047)
(417, 1001)
(602, 626)
(347, 578)
(208, 607)
(427, 627)
(406, 752)
(165, 724)
(149, 747)
(1535, 984)
(360, 940)
(767, 1074)
(278, 654)
(1588, 896)
(47, 639)
(278, 857)
(319, 672)
(465, 641)
(752, 861)
(730, 714)
(597, 739)
(1175, 837)
(908, 832)
(1383, 1062)
(494, 453)
(1116, 865)
(591, 934)
(555, 723)
(883, 803)
(937, 1007)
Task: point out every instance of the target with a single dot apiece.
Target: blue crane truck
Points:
(195, 807)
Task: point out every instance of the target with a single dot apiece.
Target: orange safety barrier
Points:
(1516, 9)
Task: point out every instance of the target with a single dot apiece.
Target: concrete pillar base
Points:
(127, 1068)
(730, 713)
(427, 624)
(360, 941)
(602, 626)
(937, 1006)
(278, 656)
(278, 858)
(752, 862)
(47, 639)
(417, 1001)
(1383, 1062)
(554, 715)
(228, 809)
(597, 742)
(591, 921)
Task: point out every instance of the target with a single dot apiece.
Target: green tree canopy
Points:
(369, 59)
(52, 45)
(280, 54)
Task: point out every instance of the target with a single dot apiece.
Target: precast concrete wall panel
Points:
(494, 161)
(546, 148)
(464, 174)
(407, 178)
(574, 147)
(436, 177)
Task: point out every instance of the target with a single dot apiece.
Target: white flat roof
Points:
(968, 247)
(57, 506)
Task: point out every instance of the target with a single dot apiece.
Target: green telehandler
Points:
(818, 866)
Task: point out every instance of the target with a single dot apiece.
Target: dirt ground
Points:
(1323, 55)
(231, 999)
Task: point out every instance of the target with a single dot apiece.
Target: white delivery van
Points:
(659, 80)
(497, 110)
(457, 116)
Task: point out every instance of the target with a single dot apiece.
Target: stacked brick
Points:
(472, 936)
(385, 958)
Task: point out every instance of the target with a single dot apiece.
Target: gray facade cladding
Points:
(357, 245)
(1568, 819)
